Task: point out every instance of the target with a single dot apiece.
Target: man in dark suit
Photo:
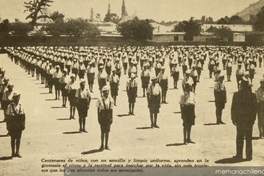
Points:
(243, 114)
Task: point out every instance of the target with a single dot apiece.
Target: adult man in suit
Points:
(243, 114)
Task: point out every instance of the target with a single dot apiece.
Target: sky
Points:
(159, 10)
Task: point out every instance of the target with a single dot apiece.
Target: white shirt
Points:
(82, 94)
(187, 98)
(109, 103)
(17, 108)
(154, 89)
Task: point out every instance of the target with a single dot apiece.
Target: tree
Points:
(223, 33)
(56, 29)
(140, 30)
(34, 8)
(55, 16)
(208, 20)
(80, 27)
(212, 29)
(4, 27)
(259, 22)
(180, 27)
(224, 20)
(221, 21)
(163, 23)
(236, 20)
(108, 14)
(20, 29)
(191, 28)
(112, 17)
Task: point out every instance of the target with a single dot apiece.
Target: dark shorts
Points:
(105, 121)
(154, 104)
(145, 81)
(90, 77)
(15, 134)
(188, 115)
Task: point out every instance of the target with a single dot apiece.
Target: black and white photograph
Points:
(131, 87)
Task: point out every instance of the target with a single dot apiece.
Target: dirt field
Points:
(50, 135)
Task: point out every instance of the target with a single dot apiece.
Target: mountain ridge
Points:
(252, 9)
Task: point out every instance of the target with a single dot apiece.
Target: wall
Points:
(239, 37)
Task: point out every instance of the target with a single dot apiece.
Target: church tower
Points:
(123, 10)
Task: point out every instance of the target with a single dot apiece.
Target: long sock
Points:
(155, 118)
(151, 119)
(102, 139)
(106, 139)
(17, 146)
(80, 123)
(84, 120)
(184, 134)
(132, 107)
(13, 145)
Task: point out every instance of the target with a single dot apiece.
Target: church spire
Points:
(124, 12)
(109, 9)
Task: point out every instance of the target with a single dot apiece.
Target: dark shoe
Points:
(13, 155)
(101, 148)
(80, 130)
(107, 148)
(248, 159)
(84, 131)
(165, 102)
(152, 126)
(221, 122)
(17, 155)
(156, 126)
(192, 142)
(132, 113)
(237, 158)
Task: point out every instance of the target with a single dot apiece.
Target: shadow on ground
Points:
(3, 135)
(229, 160)
(64, 119)
(72, 132)
(91, 151)
(143, 128)
(57, 107)
(5, 158)
(176, 144)
(122, 115)
(209, 124)
(50, 100)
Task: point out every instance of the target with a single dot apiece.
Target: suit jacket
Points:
(244, 107)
